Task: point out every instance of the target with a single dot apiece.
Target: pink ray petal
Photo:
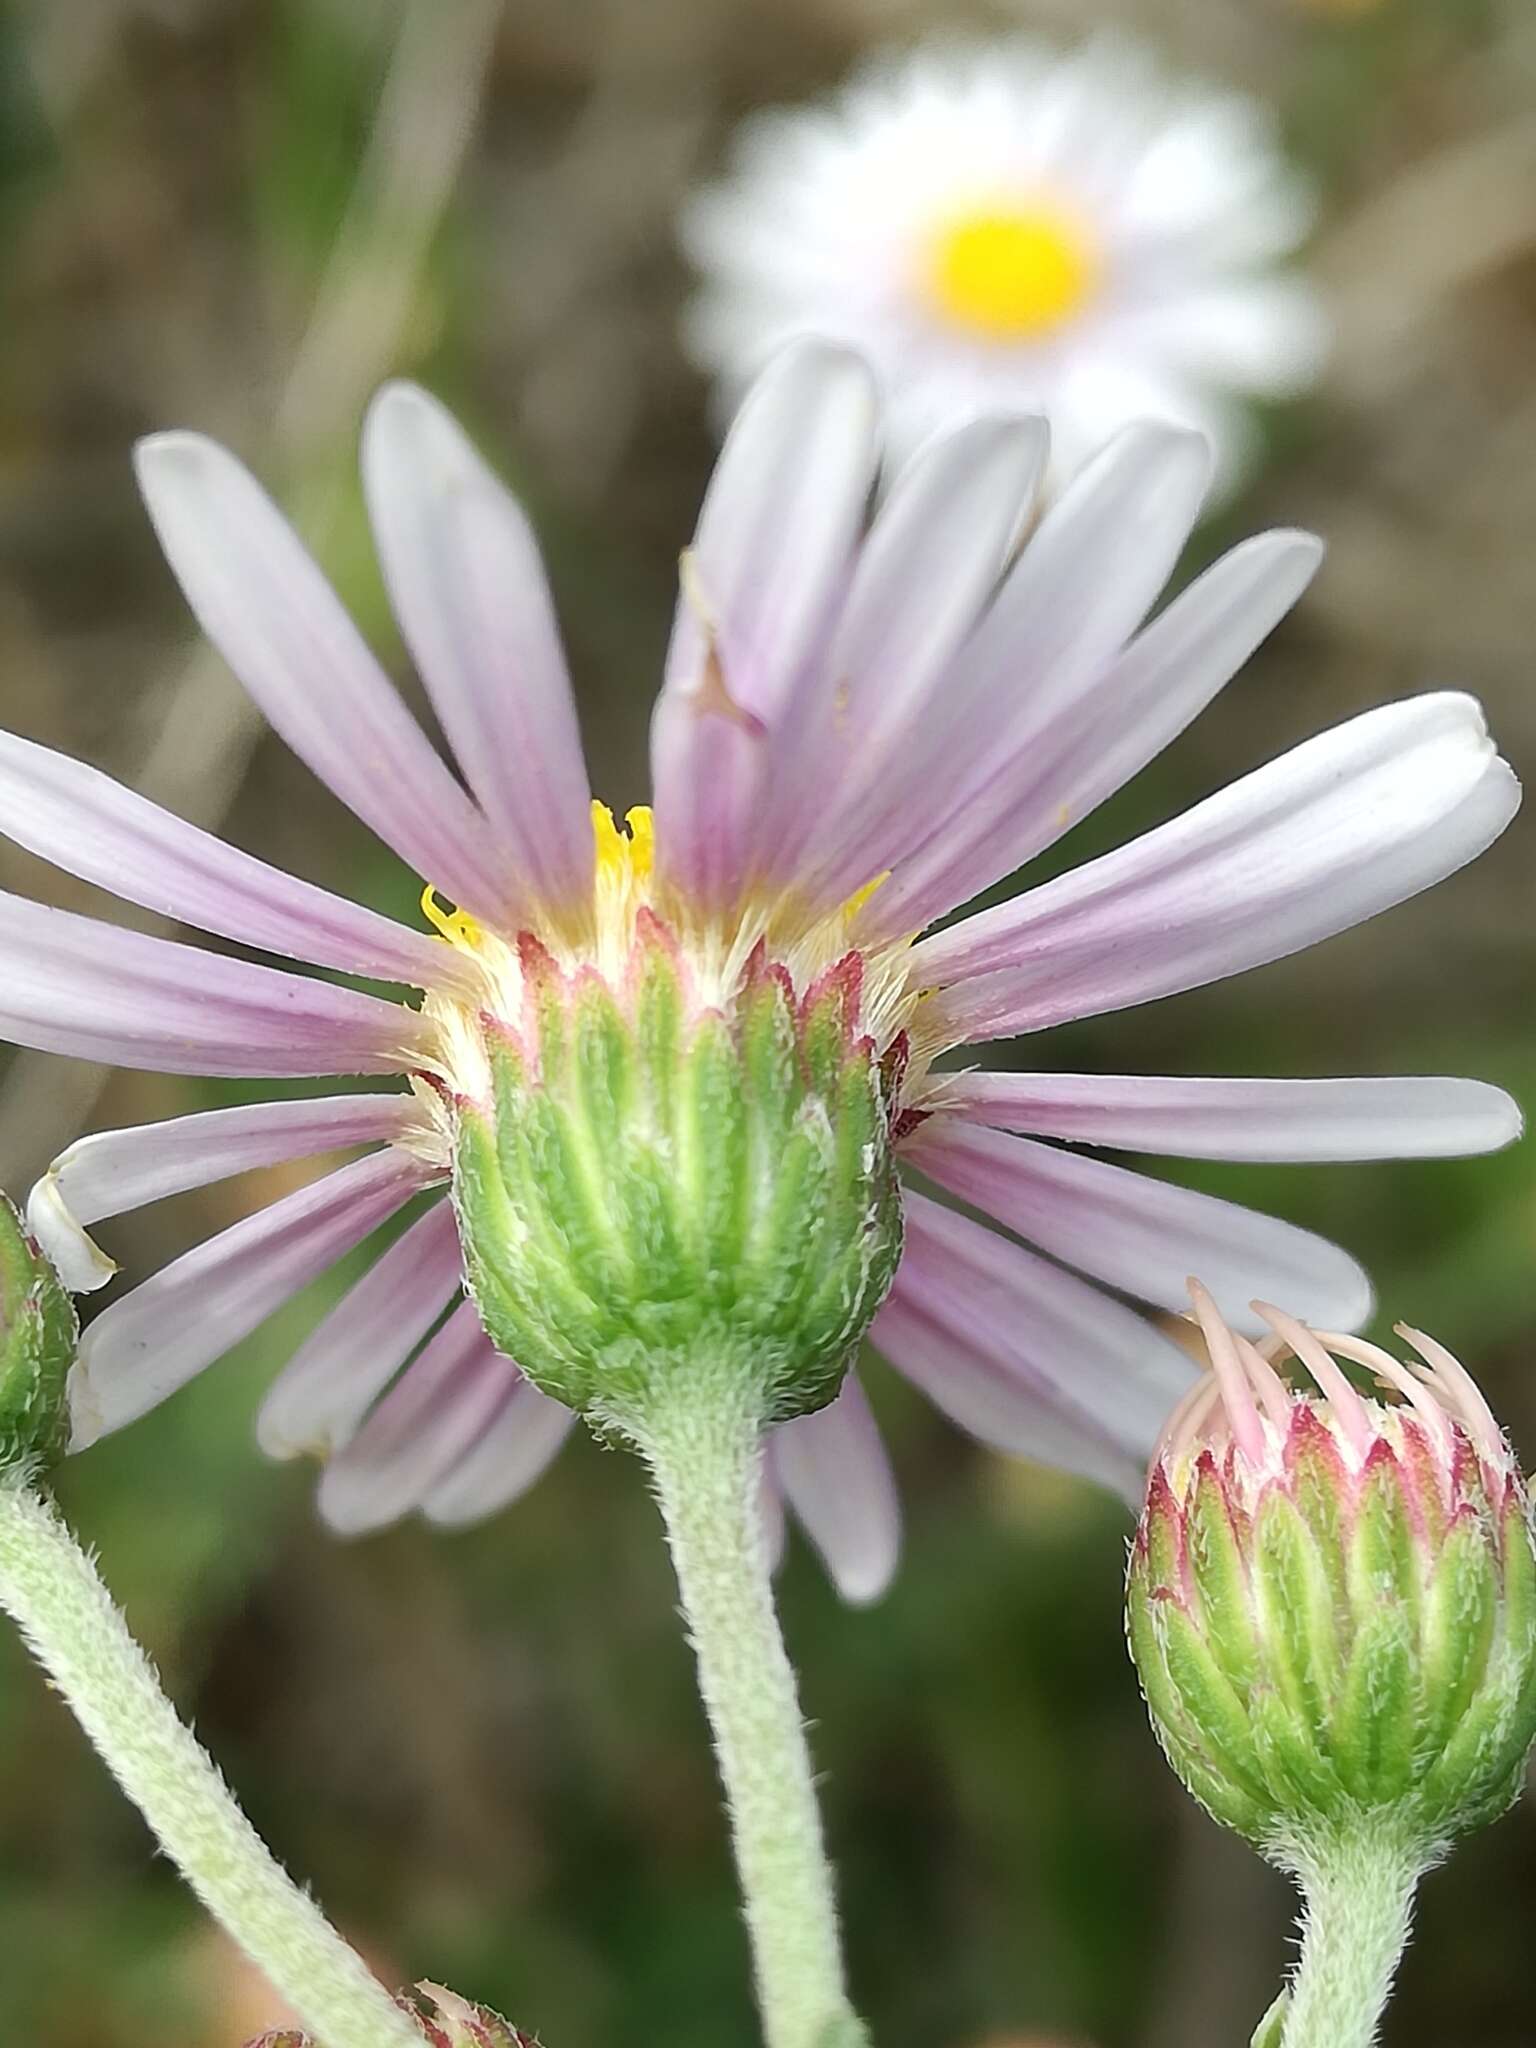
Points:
(110, 1173)
(834, 1472)
(355, 1350)
(74, 985)
(1342, 827)
(1080, 588)
(760, 587)
(1412, 1117)
(91, 826)
(923, 577)
(162, 1333)
(1139, 1235)
(1069, 751)
(431, 1418)
(513, 1451)
(1025, 1356)
(469, 591)
(265, 605)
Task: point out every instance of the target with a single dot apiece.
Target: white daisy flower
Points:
(1010, 227)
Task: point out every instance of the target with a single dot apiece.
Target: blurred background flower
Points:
(241, 215)
(1013, 226)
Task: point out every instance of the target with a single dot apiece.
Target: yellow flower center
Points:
(803, 939)
(1011, 273)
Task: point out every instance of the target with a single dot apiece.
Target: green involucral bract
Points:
(1337, 1643)
(39, 1335)
(655, 1187)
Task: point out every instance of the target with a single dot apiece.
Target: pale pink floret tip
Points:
(1244, 1406)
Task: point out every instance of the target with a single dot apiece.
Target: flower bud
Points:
(662, 1173)
(449, 2021)
(1332, 1596)
(444, 2019)
(38, 1338)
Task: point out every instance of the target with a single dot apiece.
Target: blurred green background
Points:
(484, 1751)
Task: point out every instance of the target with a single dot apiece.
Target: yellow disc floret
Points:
(456, 926)
(626, 856)
(630, 902)
(1011, 273)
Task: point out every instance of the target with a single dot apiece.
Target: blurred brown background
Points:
(483, 1751)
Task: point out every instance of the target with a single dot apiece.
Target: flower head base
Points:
(668, 1164)
(1332, 1597)
(38, 1338)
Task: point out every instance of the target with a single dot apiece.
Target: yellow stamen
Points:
(1011, 273)
(626, 856)
(456, 926)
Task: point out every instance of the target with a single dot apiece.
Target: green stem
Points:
(702, 1440)
(1358, 1894)
(52, 1590)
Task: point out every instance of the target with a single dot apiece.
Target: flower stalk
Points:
(1332, 1607)
(1359, 1890)
(701, 1437)
(53, 1592)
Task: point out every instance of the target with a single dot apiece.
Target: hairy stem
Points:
(53, 1592)
(1358, 1893)
(703, 1444)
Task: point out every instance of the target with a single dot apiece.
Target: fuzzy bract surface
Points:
(1333, 1606)
(658, 1186)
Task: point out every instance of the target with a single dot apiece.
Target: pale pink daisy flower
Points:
(857, 732)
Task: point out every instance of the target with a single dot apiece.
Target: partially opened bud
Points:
(449, 2021)
(444, 2019)
(1332, 1595)
(38, 1340)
